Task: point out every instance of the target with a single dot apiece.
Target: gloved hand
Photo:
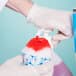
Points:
(13, 67)
(52, 19)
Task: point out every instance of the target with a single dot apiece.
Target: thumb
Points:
(56, 39)
(59, 37)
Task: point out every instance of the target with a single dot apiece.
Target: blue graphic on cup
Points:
(35, 60)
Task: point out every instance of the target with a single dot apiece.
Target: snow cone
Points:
(39, 53)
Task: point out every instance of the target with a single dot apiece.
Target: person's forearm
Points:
(12, 7)
(21, 6)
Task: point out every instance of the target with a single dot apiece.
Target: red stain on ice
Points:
(38, 43)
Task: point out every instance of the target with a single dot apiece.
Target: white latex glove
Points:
(52, 19)
(13, 67)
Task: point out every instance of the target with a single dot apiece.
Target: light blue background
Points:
(15, 32)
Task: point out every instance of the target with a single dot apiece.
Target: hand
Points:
(56, 39)
(13, 67)
(52, 19)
